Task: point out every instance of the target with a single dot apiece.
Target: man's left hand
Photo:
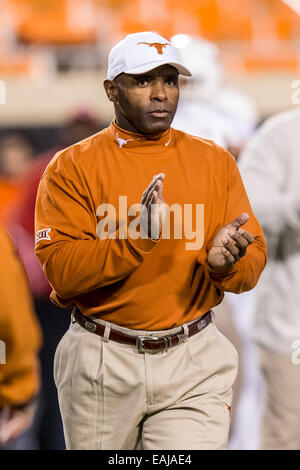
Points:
(230, 244)
(14, 422)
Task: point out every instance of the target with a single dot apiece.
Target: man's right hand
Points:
(151, 219)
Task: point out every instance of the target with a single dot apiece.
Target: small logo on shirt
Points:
(168, 142)
(158, 46)
(122, 142)
(42, 235)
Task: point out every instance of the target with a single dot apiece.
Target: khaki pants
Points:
(114, 398)
(225, 323)
(280, 428)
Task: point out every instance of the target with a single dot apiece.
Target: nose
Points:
(158, 92)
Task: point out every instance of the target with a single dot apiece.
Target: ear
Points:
(111, 90)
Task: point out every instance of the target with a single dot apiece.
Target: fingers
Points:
(229, 258)
(154, 194)
(147, 191)
(16, 422)
(237, 242)
(231, 249)
(239, 221)
(156, 184)
(230, 244)
(159, 190)
(151, 216)
(14, 427)
(248, 236)
(149, 198)
(242, 239)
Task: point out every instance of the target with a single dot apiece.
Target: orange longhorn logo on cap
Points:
(158, 46)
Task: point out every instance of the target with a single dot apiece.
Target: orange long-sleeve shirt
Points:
(19, 331)
(140, 283)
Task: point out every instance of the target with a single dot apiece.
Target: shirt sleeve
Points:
(73, 258)
(244, 274)
(20, 333)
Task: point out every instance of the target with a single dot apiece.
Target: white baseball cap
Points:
(141, 52)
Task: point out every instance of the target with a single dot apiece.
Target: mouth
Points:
(160, 113)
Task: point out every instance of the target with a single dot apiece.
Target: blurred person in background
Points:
(20, 342)
(208, 108)
(211, 110)
(270, 166)
(47, 428)
(81, 124)
(16, 154)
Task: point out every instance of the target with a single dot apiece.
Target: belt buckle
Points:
(140, 342)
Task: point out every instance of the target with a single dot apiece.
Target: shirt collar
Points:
(140, 143)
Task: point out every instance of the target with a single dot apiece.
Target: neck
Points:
(125, 124)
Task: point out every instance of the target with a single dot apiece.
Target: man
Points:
(270, 166)
(20, 340)
(142, 359)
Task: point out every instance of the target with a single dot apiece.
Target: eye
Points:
(142, 82)
(172, 81)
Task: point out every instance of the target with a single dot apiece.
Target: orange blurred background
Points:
(259, 42)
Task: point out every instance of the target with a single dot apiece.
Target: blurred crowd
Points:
(21, 167)
(263, 324)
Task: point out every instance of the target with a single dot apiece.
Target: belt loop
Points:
(73, 319)
(182, 338)
(106, 332)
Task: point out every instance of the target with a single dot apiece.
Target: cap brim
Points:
(153, 65)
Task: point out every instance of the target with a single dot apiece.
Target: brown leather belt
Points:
(145, 343)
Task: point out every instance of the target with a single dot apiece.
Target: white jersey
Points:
(270, 167)
(229, 120)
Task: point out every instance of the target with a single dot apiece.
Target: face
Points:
(15, 157)
(145, 103)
